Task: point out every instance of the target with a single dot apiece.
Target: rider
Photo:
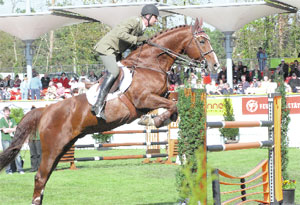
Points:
(127, 34)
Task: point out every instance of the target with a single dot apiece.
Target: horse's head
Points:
(199, 47)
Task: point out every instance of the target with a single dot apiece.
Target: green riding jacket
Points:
(121, 37)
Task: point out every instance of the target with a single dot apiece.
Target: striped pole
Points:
(120, 157)
(134, 131)
(238, 146)
(238, 124)
(121, 144)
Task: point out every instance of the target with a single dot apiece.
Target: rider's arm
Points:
(127, 30)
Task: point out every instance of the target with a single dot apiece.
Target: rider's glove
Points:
(141, 39)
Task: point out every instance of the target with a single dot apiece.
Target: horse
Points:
(61, 124)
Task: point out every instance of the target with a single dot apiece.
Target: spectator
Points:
(35, 86)
(212, 89)
(246, 73)
(236, 75)
(240, 89)
(51, 91)
(35, 150)
(24, 89)
(262, 58)
(267, 72)
(73, 84)
(244, 83)
(8, 127)
(256, 73)
(240, 66)
(8, 82)
(17, 82)
(193, 80)
(294, 67)
(45, 81)
(227, 90)
(172, 77)
(64, 80)
(284, 68)
(60, 90)
(92, 77)
(294, 83)
(83, 77)
(297, 71)
(222, 72)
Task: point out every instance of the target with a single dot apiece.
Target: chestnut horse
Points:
(62, 123)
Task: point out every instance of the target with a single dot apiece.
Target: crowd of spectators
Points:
(44, 87)
(256, 81)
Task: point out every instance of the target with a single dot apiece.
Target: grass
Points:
(124, 181)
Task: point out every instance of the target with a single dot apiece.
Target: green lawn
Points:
(124, 181)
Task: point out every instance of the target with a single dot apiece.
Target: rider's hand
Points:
(141, 39)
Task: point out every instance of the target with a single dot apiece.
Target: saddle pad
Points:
(92, 93)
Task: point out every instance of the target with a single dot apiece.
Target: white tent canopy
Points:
(227, 17)
(294, 3)
(32, 26)
(110, 14)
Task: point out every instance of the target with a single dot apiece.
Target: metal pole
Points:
(28, 10)
(28, 57)
(228, 50)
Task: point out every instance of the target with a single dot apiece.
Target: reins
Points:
(177, 56)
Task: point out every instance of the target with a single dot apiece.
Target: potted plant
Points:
(102, 138)
(289, 187)
(230, 135)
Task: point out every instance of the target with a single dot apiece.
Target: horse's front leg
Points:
(155, 102)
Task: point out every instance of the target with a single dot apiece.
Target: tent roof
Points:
(32, 26)
(228, 17)
(294, 3)
(110, 14)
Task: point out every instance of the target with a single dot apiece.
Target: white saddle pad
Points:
(92, 93)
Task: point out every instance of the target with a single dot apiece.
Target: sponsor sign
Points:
(254, 106)
(214, 107)
(259, 105)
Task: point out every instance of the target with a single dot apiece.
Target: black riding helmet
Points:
(149, 9)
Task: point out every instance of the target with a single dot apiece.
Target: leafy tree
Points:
(17, 114)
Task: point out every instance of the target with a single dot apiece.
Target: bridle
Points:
(183, 57)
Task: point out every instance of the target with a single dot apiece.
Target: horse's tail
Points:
(25, 128)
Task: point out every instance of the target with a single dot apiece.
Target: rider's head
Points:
(150, 13)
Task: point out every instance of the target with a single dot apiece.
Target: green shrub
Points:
(229, 133)
(17, 114)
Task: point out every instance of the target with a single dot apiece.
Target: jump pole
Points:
(120, 157)
(274, 143)
(121, 144)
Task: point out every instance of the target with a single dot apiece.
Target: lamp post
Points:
(229, 44)
(28, 57)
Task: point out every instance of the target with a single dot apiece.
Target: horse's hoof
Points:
(146, 121)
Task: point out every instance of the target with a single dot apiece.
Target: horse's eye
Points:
(202, 41)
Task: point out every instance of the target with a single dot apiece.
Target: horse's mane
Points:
(156, 36)
(166, 31)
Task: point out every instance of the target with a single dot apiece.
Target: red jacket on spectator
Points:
(64, 82)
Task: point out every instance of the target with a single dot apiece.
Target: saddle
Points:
(115, 85)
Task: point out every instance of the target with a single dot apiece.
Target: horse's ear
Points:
(195, 26)
(201, 22)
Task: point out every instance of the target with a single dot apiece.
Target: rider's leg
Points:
(110, 64)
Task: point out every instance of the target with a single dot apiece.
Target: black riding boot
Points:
(104, 89)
